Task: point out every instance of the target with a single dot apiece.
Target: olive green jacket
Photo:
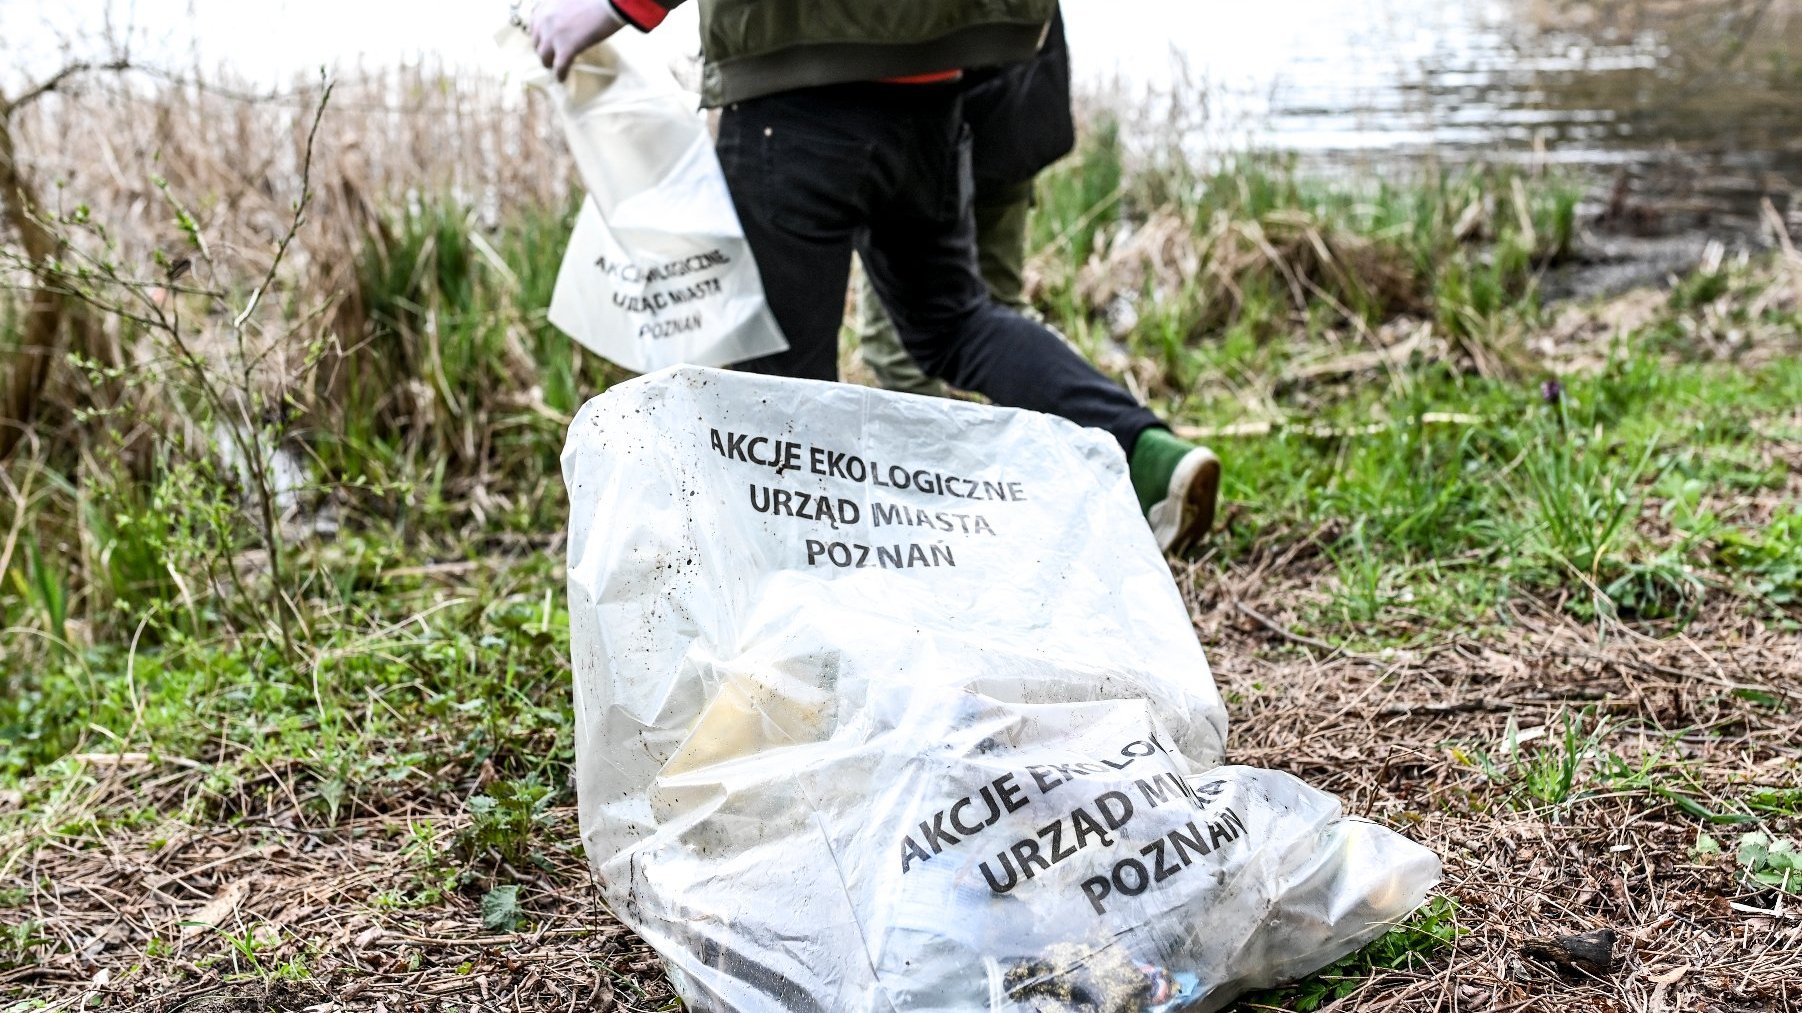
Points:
(757, 47)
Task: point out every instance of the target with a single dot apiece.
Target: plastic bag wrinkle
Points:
(983, 778)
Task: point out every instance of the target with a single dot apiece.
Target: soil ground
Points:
(1523, 582)
(169, 917)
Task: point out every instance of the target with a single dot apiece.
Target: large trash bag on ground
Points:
(887, 702)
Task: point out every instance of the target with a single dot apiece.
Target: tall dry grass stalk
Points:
(118, 157)
(233, 153)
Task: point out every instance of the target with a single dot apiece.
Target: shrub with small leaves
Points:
(1771, 862)
(505, 819)
(1771, 561)
(1765, 861)
(500, 909)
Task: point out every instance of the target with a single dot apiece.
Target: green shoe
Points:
(1178, 484)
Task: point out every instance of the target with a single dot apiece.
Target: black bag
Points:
(1019, 115)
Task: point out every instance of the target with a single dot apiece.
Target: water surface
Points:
(1683, 116)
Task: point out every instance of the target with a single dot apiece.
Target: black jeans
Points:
(884, 169)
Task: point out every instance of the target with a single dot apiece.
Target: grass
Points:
(1469, 559)
(1609, 498)
(1427, 936)
(1547, 776)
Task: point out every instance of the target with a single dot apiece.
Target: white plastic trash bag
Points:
(890, 703)
(657, 271)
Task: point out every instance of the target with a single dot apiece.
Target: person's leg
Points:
(920, 253)
(880, 347)
(1000, 259)
(811, 172)
(797, 179)
(1001, 241)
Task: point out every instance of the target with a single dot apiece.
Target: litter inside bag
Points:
(890, 703)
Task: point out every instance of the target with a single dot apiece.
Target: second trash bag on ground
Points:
(890, 703)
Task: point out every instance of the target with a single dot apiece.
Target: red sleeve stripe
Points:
(938, 77)
(644, 15)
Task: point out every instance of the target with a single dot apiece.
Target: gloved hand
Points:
(562, 29)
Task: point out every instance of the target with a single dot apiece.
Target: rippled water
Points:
(1680, 119)
(1687, 113)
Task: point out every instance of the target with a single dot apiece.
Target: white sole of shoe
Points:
(1186, 512)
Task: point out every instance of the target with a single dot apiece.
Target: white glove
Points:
(562, 29)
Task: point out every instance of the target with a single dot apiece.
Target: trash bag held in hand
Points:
(657, 271)
(890, 703)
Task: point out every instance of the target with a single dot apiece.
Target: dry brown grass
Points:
(1169, 253)
(300, 893)
(1394, 734)
(131, 151)
(233, 156)
(1387, 734)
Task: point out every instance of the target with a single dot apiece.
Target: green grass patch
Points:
(1429, 935)
(1765, 862)
(401, 702)
(1443, 499)
(412, 652)
(1433, 492)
